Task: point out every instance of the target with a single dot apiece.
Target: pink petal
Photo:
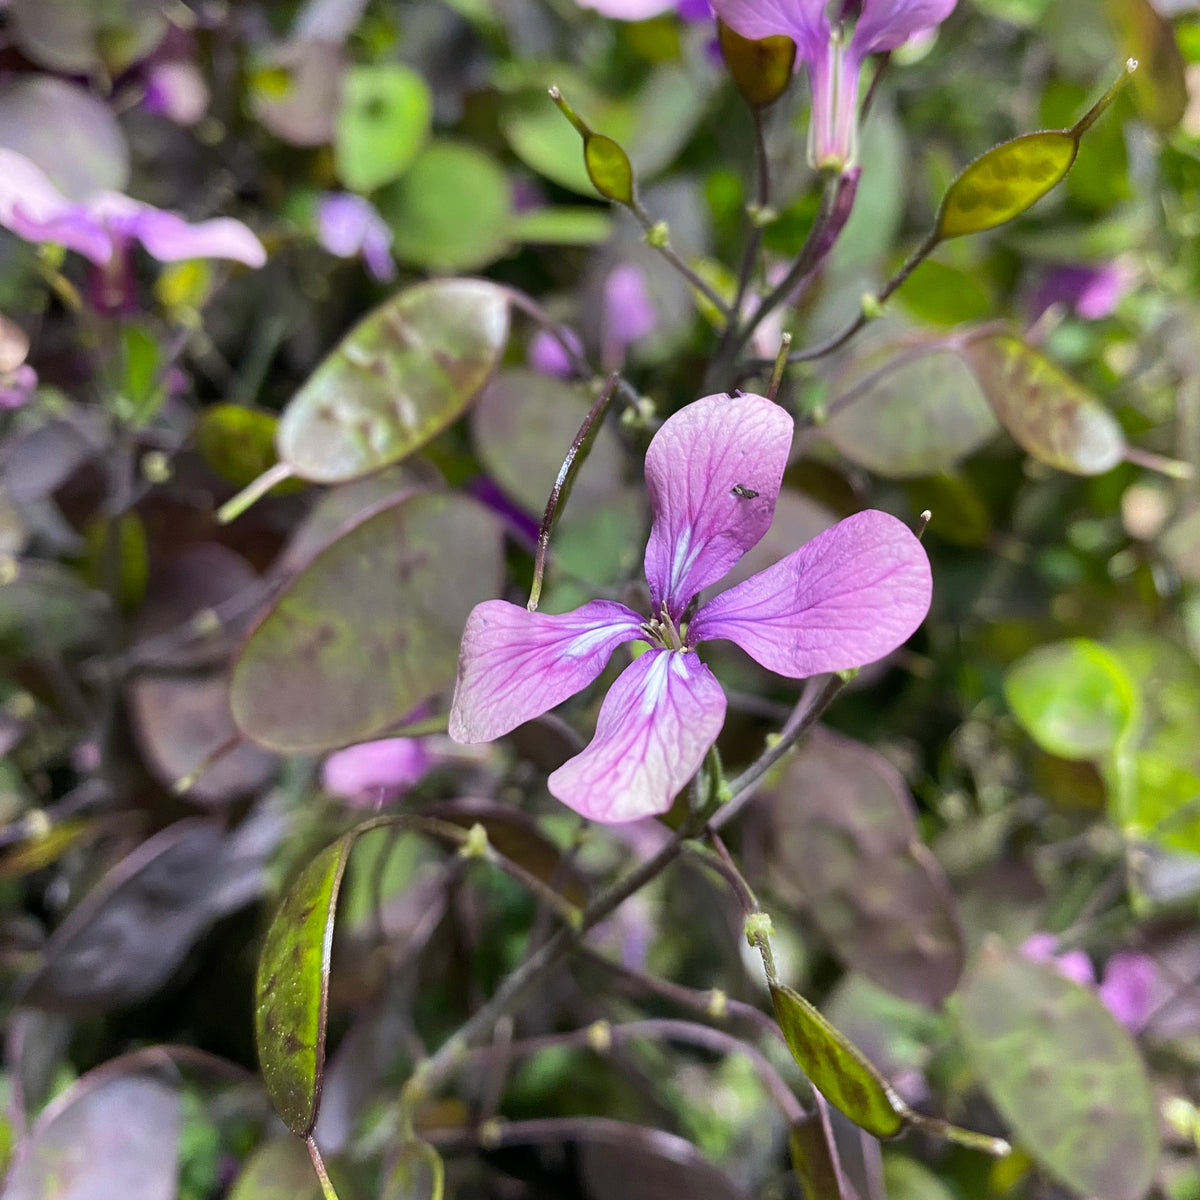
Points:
(848, 597)
(169, 238)
(804, 21)
(35, 210)
(713, 472)
(1128, 987)
(387, 766)
(654, 729)
(886, 24)
(514, 665)
(629, 10)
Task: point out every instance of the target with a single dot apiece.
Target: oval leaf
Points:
(384, 120)
(401, 375)
(920, 417)
(836, 1067)
(369, 628)
(278, 1170)
(1048, 414)
(851, 855)
(1005, 181)
(105, 1137)
(1064, 1074)
(291, 991)
(1074, 698)
(418, 1174)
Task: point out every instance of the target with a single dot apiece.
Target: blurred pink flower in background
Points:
(1127, 988)
(1090, 291)
(350, 227)
(372, 773)
(547, 355)
(102, 227)
(629, 313)
(175, 89)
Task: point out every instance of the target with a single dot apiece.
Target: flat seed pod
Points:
(1005, 181)
(760, 68)
(292, 989)
(400, 376)
(369, 628)
(846, 848)
(1064, 1074)
(608, 168)
(1055, 419)
(836, 1067)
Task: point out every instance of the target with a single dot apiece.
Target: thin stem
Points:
(785, 346)
(870, 307)
(762, 171)
(566, 475)
(318, 1163)
(880, 70)
(804, 717)
(656, 240)
(720, 860)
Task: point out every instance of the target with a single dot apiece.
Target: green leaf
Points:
(1160, 89)
(836, 1067)
(562, 226)
(383, 122)
(906, 1179)
(1063, 1073)
(292, 989)
(1162, 804)
(239, 444)
(370, 627)
(122, 546)
(608, 168)
(1074, 698)
(1048, 414)
(400, 376)
(142, 391)
(277, 1170)
(417, 1174)
(918, 417)
(1005, 181)
(939, 294)
(452, 211)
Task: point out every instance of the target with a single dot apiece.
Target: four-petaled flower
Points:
(851, 595)
(834, 60)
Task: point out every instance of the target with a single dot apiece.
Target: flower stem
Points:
(318, 1163)
(656, 240)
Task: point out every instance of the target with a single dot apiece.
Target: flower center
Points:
(663, 633)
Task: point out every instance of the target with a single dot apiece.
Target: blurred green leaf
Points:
(920, 416)
(416, 1174)
(118, 558)
(1055, 419)
(369, 628)
(277, 1170)
(292, 989)
(1074, 698)
(401, 375)
(939, 294)
(383, 122)
(1160, 87)
(452, 211)
(562, 226)
(1062, 1072)
(239, 444)
(1162, 803)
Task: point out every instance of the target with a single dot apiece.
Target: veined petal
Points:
(713, 473)
(804, 21)
(886, 24)
(848, 597)
(514, 665)
(655, 726)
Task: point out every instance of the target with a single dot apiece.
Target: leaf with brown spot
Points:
(370, 627)
(292, 989)
(398, 378)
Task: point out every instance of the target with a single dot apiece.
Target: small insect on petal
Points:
(744, 492)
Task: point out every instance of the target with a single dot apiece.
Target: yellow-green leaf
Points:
(608, 168)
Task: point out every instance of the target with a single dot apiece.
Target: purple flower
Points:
(102, 227)
(713, 471)
(1092, 291)
(350, 227)
(643, 10)
(629, 312)
(547, 356)
(375, 771)
(16, 386)
(176, 90)
(834, 57)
